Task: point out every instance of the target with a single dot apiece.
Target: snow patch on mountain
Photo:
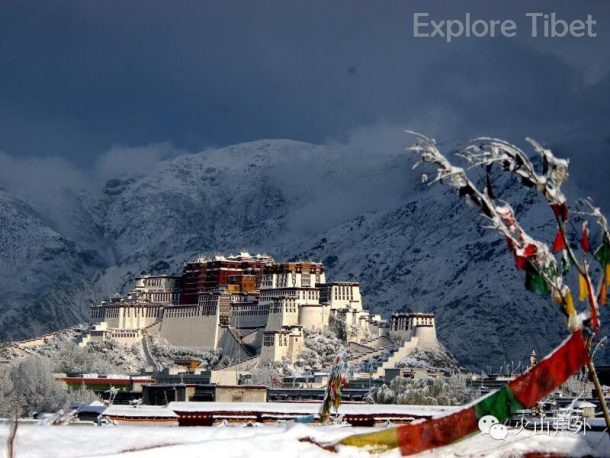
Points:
(364, 213)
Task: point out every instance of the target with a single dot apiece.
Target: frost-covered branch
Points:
(602, 253)
(543, 274)
(488, 151)
(456, 177)
(589, 210)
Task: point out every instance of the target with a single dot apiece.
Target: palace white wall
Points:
(314, 317)
(191, 326)
(155, 283)
(126, 316)
(300, 295)
(283, 312)
(426, 336)
(269, 350)
(296, 344)
(112, 316)
(138, 317)
(159, 289)
(344, 296)
(100, 333)
(249, 316)
(126, 337)
(376, 329)
(292, 280)
(282, 344)
(404, 327)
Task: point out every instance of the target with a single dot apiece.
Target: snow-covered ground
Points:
(302, 408)
(34, 441)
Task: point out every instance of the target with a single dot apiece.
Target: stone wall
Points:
(241, 393)
(190, 326)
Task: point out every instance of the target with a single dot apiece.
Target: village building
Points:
(214, 413)
(241, 393)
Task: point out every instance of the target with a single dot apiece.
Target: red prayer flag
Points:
(529, 251)
(415, 438)
(560, 211)
(586, 246)
(560, 242)
(523, 255)
(527, 389)
(552, 371)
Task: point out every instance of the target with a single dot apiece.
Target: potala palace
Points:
(252, 306)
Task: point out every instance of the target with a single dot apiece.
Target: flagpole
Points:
(598, 387)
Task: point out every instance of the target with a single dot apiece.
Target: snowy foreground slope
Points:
(35, 441)
(365, 214)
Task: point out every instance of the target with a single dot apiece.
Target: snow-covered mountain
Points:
(364, 213)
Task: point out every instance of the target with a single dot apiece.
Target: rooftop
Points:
(413, 314)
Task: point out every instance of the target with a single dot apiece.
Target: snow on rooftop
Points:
(95, 407)
(305, 408)
(583, 404)
(139, 411)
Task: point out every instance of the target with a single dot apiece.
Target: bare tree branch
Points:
(528, 252)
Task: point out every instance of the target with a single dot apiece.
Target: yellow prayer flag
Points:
(570, 304)
(583, 291)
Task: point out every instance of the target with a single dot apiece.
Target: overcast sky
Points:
(82, 80)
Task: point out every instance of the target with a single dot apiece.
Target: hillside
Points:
(367, 216)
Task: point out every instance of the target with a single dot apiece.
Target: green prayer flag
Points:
(501, 404)
(603, 254)
(536, 283)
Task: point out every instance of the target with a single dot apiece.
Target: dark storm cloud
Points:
(108, 84)
(78, 77)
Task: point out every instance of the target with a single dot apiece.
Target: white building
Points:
(284, 343)
(404, 326)
(241, 303)
(341, 295)
(160, 289)
(293, 274)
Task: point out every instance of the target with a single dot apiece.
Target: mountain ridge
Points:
(366, 214)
